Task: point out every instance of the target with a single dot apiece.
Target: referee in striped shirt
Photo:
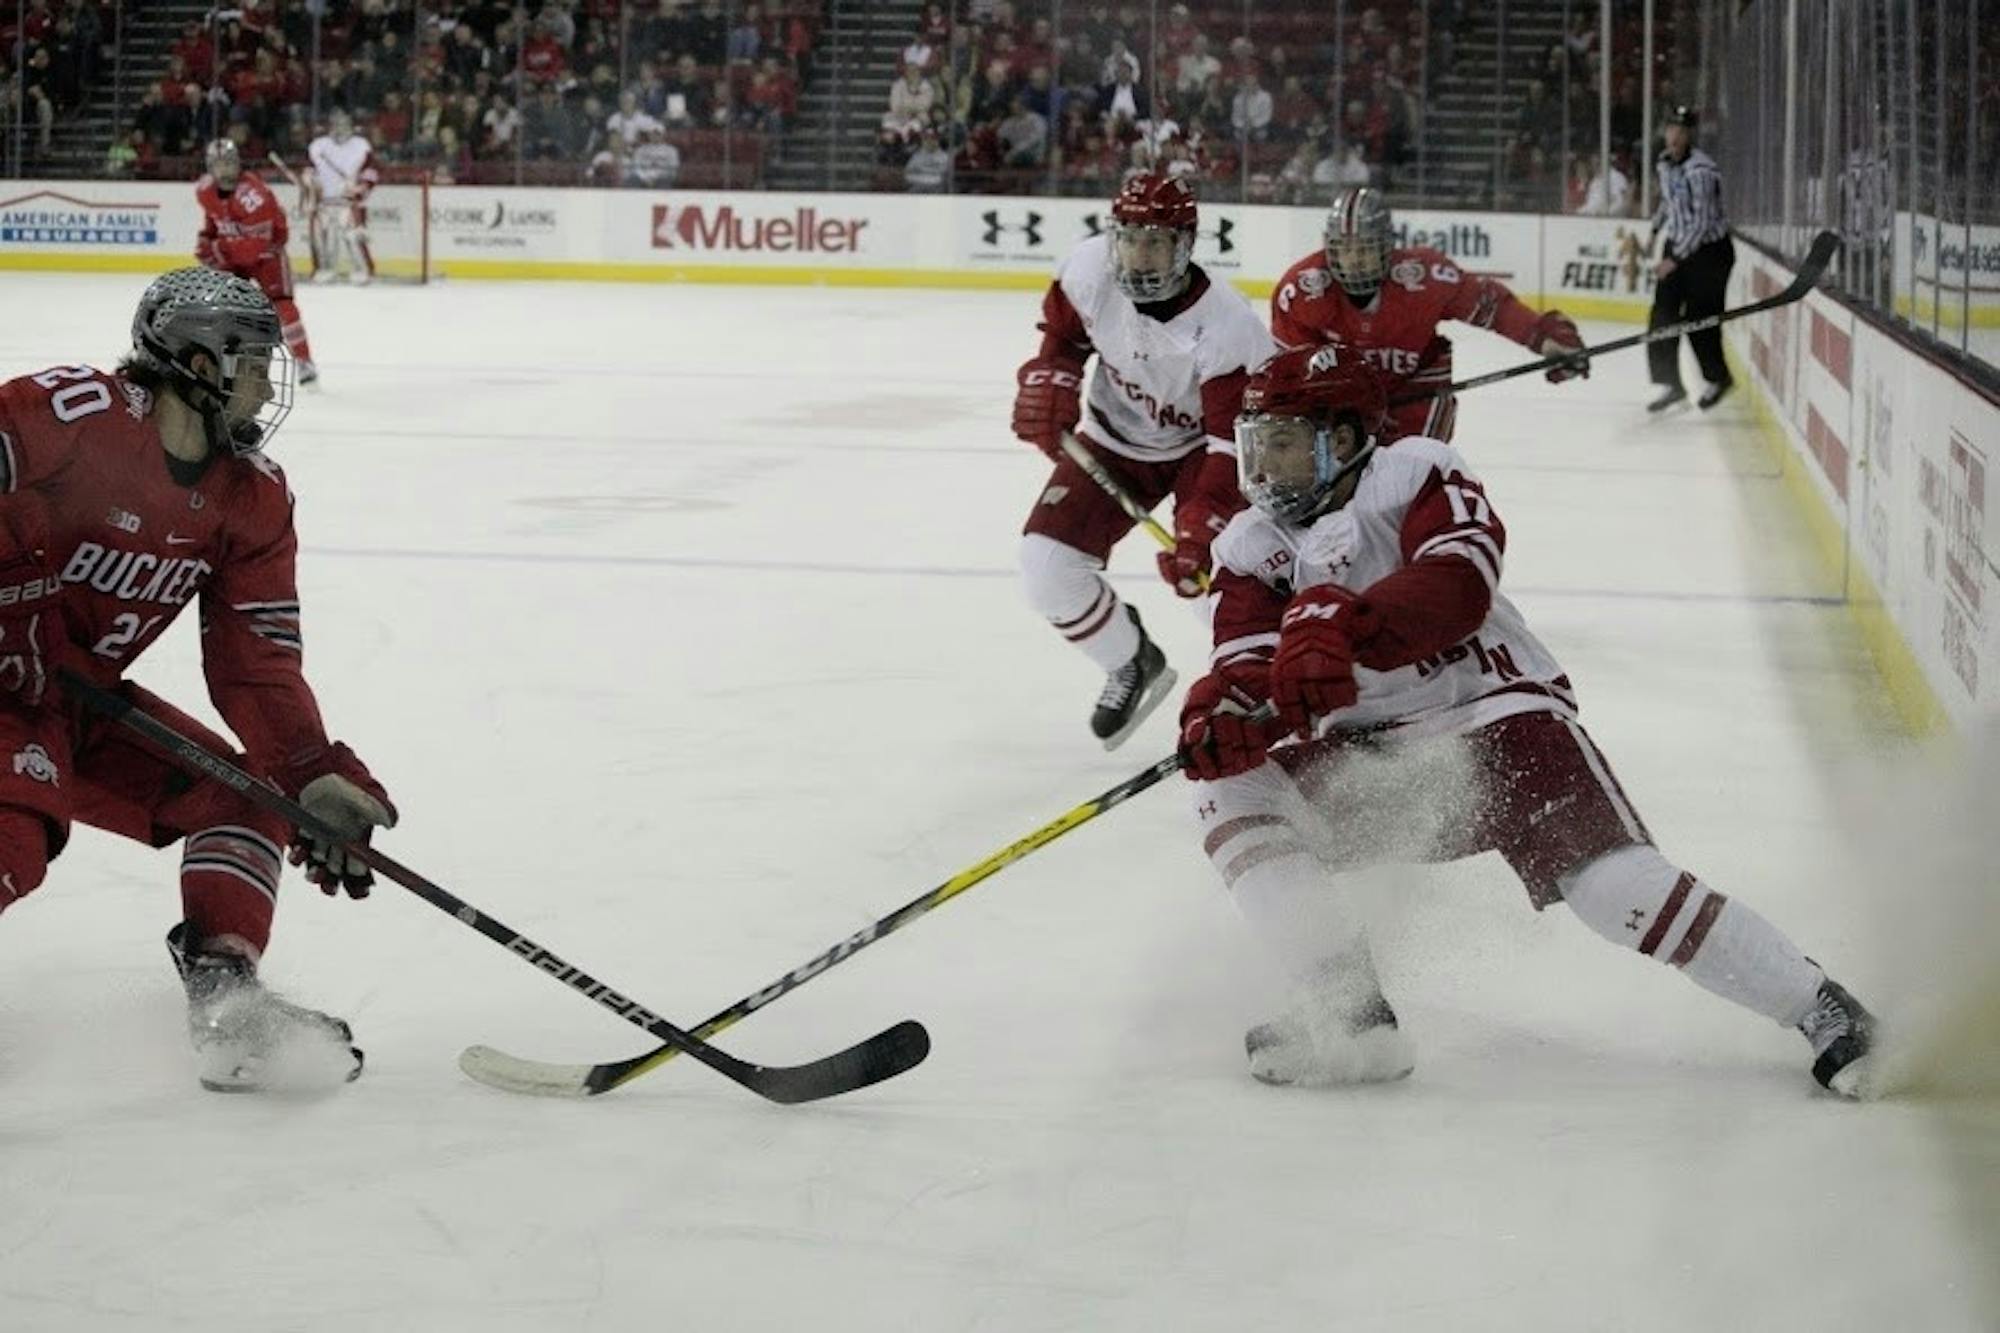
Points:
(1693, 270)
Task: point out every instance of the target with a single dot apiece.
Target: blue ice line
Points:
(964, 572)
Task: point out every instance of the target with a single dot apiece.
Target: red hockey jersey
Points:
(240, 230)
(1398, 332)
(84, 477)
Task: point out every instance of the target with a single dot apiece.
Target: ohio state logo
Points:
(804, 231)
(33, 761)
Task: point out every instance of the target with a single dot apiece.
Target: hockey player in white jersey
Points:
(343, 174)
(1360, 596)
(1173, 351)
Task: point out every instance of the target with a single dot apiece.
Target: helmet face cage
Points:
(1284, 464)
(229, 320)
(1151, 204)
(1358, 239)
(225, 163)
(1288, 466)
(1148, 285)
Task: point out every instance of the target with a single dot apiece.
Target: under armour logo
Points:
(1637, 919)
(1031, 229)
(1207, 808)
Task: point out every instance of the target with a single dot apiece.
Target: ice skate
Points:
(1672, 396)
(1325, 1043)
(324, 276)
(1712, 394)
(1842, 1034)
(1132, 692)
(308, 374)
(247, 1039)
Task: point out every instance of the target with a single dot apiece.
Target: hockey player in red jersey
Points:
(1360, 596)
(124, 497)
(243, 231)
(1363, 290)
(1173, 349)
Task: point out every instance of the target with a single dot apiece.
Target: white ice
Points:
(681, 623)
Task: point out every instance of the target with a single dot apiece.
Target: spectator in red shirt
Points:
(542, 58)
(772, 94)
(196, 53)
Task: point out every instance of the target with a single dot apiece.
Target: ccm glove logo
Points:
(1062, 379)
(1305, 611)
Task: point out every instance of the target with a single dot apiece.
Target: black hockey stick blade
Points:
(1811, 269)
(885, 1055)
(890, 1052)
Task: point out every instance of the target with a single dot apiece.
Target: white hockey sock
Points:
(1251, 832)
(1636, 897)
(1069, 589)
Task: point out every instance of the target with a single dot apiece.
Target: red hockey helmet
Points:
(1290, 454)
(1152, 236)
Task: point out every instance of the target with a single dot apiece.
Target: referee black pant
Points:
(1696, 288)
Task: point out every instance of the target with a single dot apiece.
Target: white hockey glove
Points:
(353, 814)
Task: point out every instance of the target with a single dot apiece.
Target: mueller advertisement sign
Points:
(751, 228)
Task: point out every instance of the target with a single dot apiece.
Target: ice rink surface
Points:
(681, 623)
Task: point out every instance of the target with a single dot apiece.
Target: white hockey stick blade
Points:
(533, 1078)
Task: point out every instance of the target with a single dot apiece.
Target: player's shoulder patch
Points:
(1256, 545)
(1408, 272)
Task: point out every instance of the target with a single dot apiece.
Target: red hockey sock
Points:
(24, 854)
(294, 329)
(229, 883)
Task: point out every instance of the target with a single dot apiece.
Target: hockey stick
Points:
(1135, 511)
(1810, 271)
(284, 170)
(883, 1056)
(511, 1073)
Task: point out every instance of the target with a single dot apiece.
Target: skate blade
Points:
(1377, 1056)
(1856, 1080)
(1155, 694)
(294, 1072)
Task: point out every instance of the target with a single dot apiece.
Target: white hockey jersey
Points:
(1145, 399)
(1417, 498)
(344, 169)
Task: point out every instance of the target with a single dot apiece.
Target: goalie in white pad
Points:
(1360, 597)
(342, 174)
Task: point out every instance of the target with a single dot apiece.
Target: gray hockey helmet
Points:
(1359, 237)
(201, 311)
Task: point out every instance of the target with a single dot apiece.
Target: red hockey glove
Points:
(1312, 674)
(1555, 333)
(1187, 566)
(335, 786)
(206, 254)
(33, 638)
(1048, 402)
(1218, 737)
